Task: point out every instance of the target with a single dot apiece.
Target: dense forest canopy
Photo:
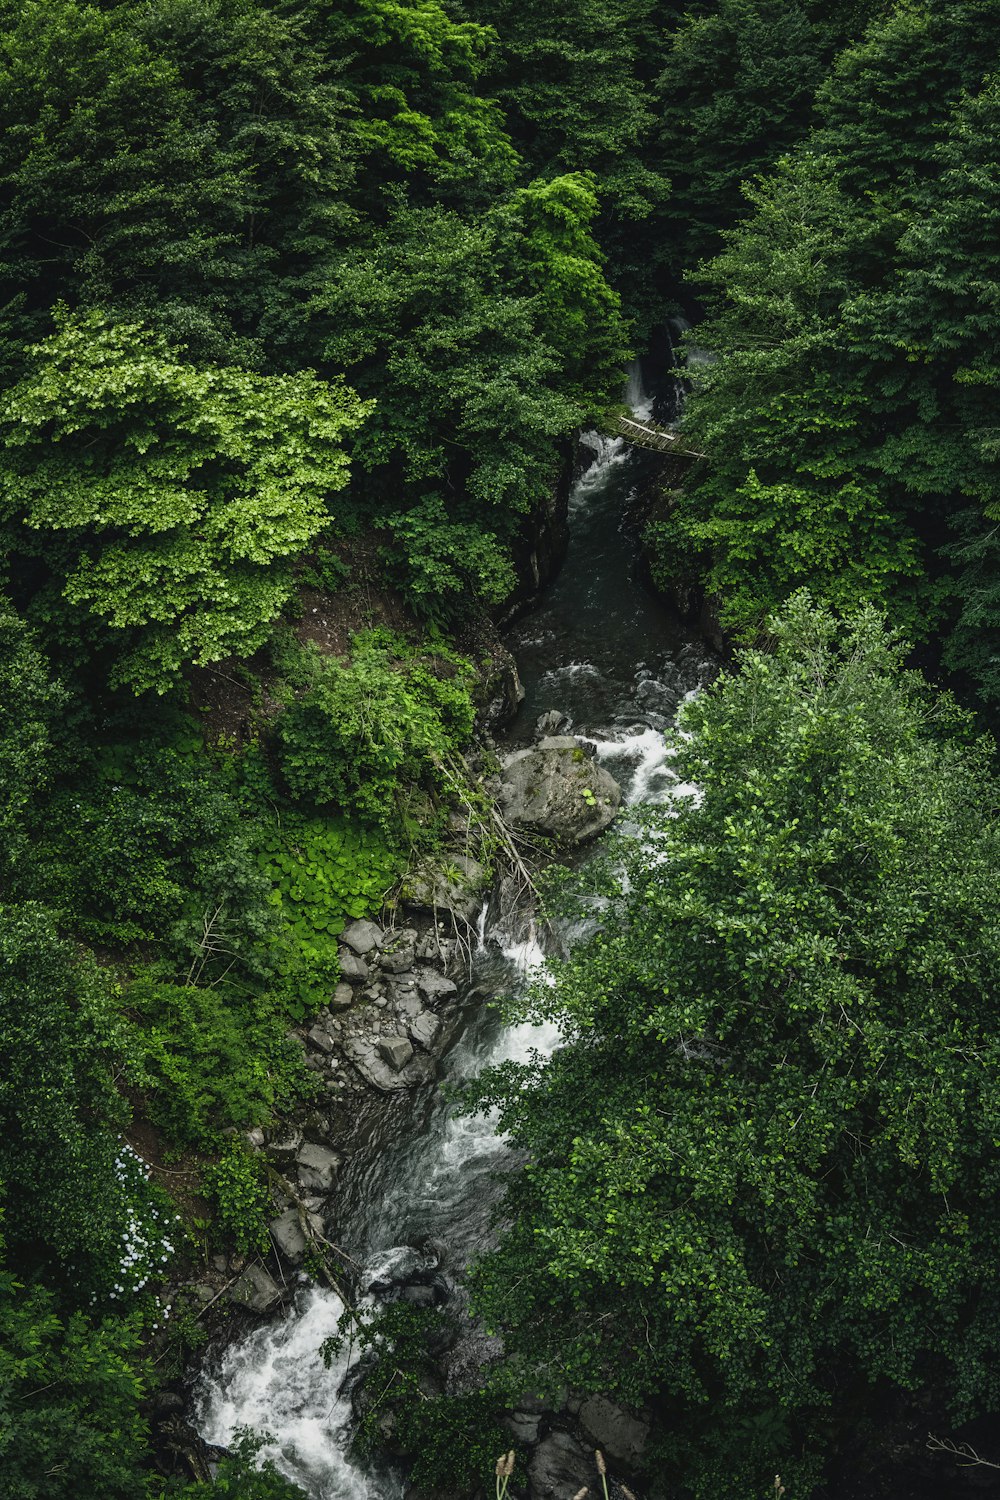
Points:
(299, 298)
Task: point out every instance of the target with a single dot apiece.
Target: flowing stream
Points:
(612, 659)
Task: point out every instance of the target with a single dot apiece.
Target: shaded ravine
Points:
(610, 657)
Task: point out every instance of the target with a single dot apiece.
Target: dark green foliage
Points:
(30, 701)
(452, 1442)
(60, 1037)
(69, 1401)
(152, 846)
(365, 728)
(212, 1059)
(847, 413)
(769, 1144)
(180, 161)
(736, 91)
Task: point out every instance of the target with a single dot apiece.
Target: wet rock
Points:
(559, 1466)
(523, 1426)
(168, 1403)
(435, 987)
(353, 968)
(285, 1141)
(555, 789)
(364, 1054)
(288, 1236)
(342, 997)
(400, 957)
(455, 884)
(553, 722)
(321, 1039)
(425, 1030)
(363, 937)
(317, 1167)
(396, 1051)
(256, 1290)
(617, 1432)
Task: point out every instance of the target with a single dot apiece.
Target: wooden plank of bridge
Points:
(652, 435)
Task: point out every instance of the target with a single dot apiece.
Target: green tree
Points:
(70, 1390)
(29, 705)
(846, 411)
(167, 501)
(736, 91)
(179, 161)
(765, 1156)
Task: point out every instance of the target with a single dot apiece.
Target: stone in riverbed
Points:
(342, 997)
(396, 1051)
(362, 937)
(435, 987)
(256, 1290)
(321, 1039)
(559, 1466)
(557, 790)
(317, 1168)
(455, 884)
(425, 1030)
(353, 968)
(288, 1236)
(400, 952)
(620, 1434)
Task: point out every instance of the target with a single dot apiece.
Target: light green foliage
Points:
(170, 498)
(366, 727)
(323, 871)
(213, 1058)
(235, 1182)
(769, 1144)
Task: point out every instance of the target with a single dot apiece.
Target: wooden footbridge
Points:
(652, 435)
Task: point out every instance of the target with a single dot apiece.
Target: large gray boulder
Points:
(366, 1055)
(352, 968)
(362, 937)
(288, 1237)
(557, 790)
(317, 1167)
(396, 1051)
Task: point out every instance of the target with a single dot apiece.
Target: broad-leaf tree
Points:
(762, 1171)
(165, 500)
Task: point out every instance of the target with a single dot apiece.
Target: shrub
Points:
(388, 716)
(213, 1058)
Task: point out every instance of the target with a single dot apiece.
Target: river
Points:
(605, 653)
